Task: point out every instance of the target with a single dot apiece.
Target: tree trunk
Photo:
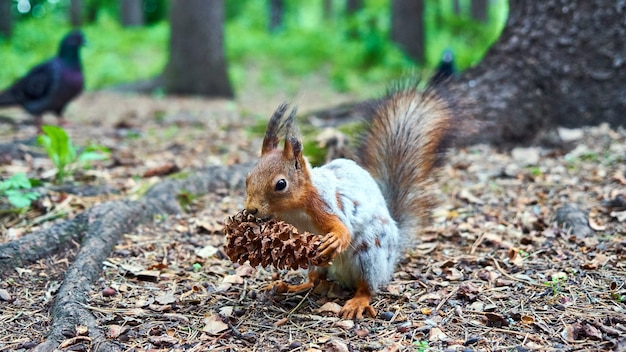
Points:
(6, 19)
(479, 10)
(197, 64)
(557, 62)
(276, 11)
(456, 7)
(353, 6)
(407, 27)
(328, 10)
(76, 12)
(131, 13)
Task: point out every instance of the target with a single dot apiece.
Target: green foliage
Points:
(557, 283)
(16, 189)
(197, 267)
(186, 199)
(468, 39)
(113, 54)
(352, 52)
(63, 153)
(422, 345)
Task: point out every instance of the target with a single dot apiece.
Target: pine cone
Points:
(270, 242)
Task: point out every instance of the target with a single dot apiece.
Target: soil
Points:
(526, 250)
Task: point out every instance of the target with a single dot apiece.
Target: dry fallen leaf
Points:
(527, 319)
(232, 279)
(336, 346)
(206, 251)
(165, 298)
(115, 331)
(329, 307)
(344, 324)
(4, 295)
(436, 334)
(213, 325)
(163, 340)
(466, 195)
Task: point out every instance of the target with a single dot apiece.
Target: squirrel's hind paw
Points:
(355, 307)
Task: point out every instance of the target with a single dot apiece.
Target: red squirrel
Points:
(366, 211)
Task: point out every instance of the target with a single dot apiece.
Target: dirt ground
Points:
(494, 272)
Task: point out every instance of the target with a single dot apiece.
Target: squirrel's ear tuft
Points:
(293, 149)
(274, 127)
(293, 145)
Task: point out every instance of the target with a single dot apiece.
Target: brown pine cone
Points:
(268, 242)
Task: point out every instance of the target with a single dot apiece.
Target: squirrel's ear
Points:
(274, 126)
(293, 146)
(293, 150)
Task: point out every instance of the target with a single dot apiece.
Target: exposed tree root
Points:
(98, 230)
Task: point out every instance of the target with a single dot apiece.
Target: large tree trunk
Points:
(353, 6)
(456, 7)
(131, 13)
(6, 20)
(276, 10)
(556, 62)
(480, 9)
(76, 13)
(407, 27)
(197, 64)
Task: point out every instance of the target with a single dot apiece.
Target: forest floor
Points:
(494, 272)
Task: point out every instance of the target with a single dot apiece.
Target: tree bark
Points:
(197, 63)
(353, 6)
(479, 10)
(407, 27)
(131, 13)
(76, 13)
(456, 7)
(276, 12)
(6, 18)
(557, 62)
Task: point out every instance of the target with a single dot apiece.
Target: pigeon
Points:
(51, 85)
(446, 67)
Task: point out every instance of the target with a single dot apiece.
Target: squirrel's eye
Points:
(280, 185)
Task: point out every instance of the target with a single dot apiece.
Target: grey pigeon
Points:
(51, 85)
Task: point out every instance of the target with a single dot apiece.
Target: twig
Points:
(445, 299)
(495, 262)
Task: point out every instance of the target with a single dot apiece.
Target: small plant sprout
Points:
(16, 190)
(422, 345)
(557, 283)
(63, 153)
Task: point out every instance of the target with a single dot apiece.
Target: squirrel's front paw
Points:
(332, 245)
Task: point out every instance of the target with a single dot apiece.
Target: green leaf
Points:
(91, 156)
(59, 147)
(17, 181)
(21, 199)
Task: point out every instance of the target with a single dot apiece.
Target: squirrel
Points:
(366, 210)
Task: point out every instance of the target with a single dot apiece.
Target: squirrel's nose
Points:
(252, 210)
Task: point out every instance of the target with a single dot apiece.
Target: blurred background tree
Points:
(6, 18)
(197, 64)
(556, 61)
(131, 13)
(346, 42)
(407, 27)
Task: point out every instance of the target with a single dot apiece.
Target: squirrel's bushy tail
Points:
(409, 133)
